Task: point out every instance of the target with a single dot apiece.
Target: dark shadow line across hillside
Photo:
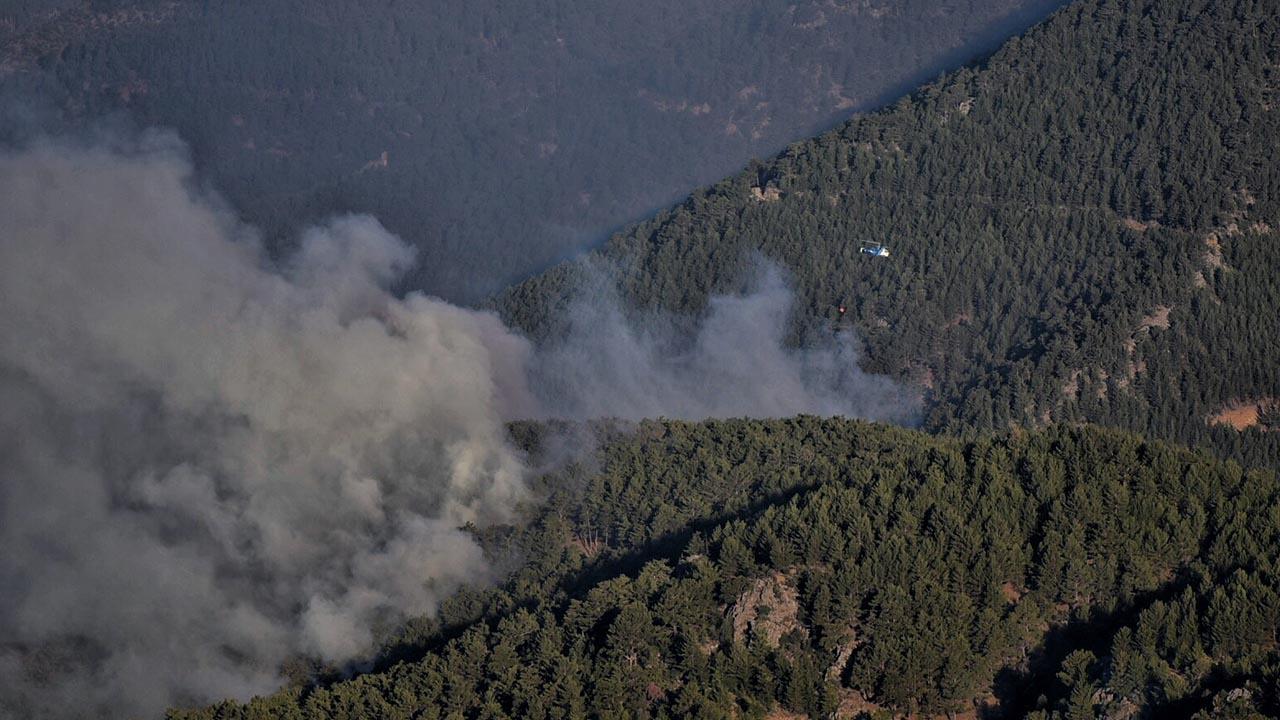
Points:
(973, 54)
(666, 547)
(1019, 691)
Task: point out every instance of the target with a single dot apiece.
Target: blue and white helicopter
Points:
(875, 249)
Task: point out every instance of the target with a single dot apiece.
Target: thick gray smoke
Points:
(209, 466)
(211, 463)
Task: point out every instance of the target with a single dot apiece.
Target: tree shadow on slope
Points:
(477, 607)
(1035, 684)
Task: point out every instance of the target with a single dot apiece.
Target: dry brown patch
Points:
(1157, 318)
(1071, 388)
(768, 194)
(1213, 251)
(1238, 417)
(670, 105)
(843, 102)
(1124, 710)
(853, 703)
(927, 379)
(1242, 414)
(589, 545)
(757, 132)
(1137, 367)
(986, 705)
(1137, 225)
(1011, 593)
(653, 693)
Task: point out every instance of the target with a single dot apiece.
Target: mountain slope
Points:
(754, 568)
(496, 137)
(1084, 228)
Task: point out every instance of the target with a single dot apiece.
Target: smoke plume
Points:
(209, 466)
(734, 363)
(212, 462)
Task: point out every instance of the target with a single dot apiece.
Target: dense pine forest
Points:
(1082, 229)
(805, 567)
(1084, 236)
(497, 137)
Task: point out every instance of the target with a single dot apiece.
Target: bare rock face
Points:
(844, 651)
(766, 610)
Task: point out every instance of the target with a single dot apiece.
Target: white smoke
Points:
(211, 463)
(735, 363)
(209, 466)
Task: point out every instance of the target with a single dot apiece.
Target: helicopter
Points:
(875, 249)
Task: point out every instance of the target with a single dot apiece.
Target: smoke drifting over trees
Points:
(212, 463)
(736, 364)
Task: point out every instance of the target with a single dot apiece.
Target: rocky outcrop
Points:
(766, 611)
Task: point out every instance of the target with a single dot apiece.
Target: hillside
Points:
(496, 137)
(802, 567)
(231, 470)
(1084, 228)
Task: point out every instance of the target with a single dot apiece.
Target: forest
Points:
(496, 137)
(1082, 286)
(751, 569)
(1083, 228)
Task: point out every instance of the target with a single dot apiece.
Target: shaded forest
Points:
(497, 137)
(1084, 228)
